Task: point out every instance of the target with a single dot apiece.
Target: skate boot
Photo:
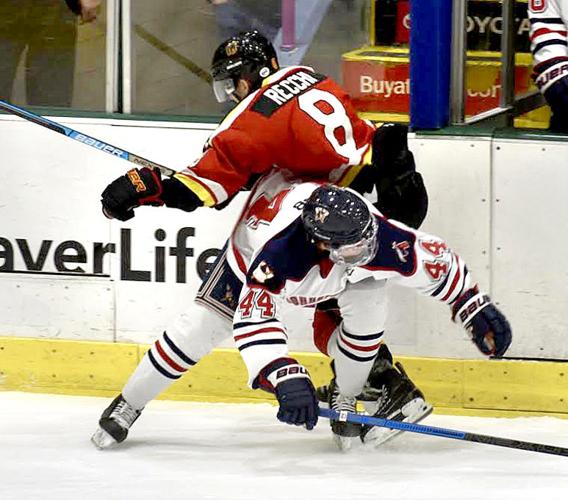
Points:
(389, 393)
(344, 433)
(114, 423)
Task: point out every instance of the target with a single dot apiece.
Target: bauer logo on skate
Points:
(92, 259)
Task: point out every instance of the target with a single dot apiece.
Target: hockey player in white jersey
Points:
(257, 136)
(549, 45)
(321, 242)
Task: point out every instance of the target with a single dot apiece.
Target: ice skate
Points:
(344, 433)
(114, 423)
(389, 393)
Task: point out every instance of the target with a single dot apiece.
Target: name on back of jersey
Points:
(285, 90)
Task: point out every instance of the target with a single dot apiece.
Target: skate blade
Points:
(414, 411)
(344, 443)
(103, 440)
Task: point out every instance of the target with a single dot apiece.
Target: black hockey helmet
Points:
(248, 55)
(341, 220)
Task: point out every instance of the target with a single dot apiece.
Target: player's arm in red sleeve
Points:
(226, 166)
(235, 152)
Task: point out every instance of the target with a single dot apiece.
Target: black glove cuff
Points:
(176, 195)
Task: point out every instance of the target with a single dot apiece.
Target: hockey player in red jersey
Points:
(290, 120)
(549, 45)
(348, 251)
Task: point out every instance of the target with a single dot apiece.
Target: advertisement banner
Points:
(68, 272)
(379, 81)
(484, 24)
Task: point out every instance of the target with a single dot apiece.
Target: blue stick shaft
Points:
(441, 432)
(391, 424)
(84, 138)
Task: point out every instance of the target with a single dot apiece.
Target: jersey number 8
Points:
(333, 121)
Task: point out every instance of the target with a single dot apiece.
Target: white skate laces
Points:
(124, 414)
(114, 423)
(341, 403)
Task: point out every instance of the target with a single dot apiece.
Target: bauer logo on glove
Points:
(137, 187)
(472, 307)
(137, 182)
(487, 326)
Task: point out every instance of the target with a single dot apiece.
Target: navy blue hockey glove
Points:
(488, 328)
(551, 77)
(137, 187)
(291, 384)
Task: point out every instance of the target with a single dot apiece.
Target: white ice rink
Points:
(219, 451)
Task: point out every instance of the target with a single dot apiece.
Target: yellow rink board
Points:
(469, 387)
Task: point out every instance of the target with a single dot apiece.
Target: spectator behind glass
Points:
(44, 33)
(234, 16)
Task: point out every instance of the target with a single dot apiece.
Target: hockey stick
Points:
(84, 138)
(441, 432)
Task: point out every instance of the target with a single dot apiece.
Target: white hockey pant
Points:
(355, 342)
(192, 335)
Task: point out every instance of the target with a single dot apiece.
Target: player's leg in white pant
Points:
(193, 335)
(357, 340)
(353, 347)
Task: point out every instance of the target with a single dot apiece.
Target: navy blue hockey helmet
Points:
(342, 221)
(248, 55)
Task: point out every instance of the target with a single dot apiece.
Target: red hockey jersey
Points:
(298, 121)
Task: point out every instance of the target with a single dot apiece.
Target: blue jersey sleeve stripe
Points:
(546, 20)
(262, 342)
(548, 43)
(244, 324)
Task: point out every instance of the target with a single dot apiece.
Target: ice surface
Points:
(220, 451)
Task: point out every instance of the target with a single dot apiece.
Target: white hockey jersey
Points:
(549, 40)
(270, 252)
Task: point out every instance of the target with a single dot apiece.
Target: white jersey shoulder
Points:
(274, 202)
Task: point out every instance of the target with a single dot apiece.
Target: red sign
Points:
(402, 30)
(383, 87)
